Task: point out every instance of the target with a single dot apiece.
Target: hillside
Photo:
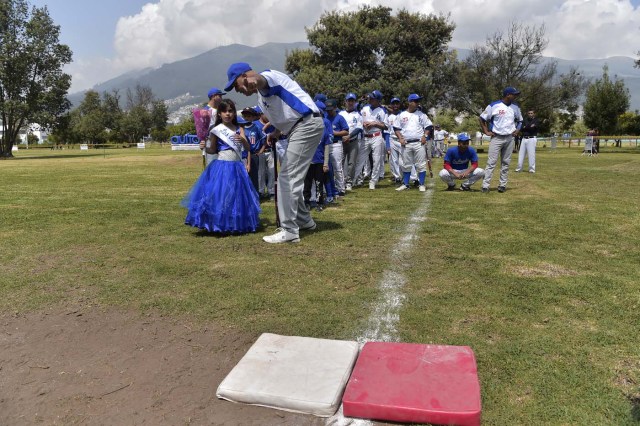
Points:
(185, 83)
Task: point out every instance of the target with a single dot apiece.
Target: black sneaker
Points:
(451, 188)
(502, 189)
(485, 190)
(416, 183)
(464, 188)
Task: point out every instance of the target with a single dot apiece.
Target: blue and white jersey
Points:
(254, 136)
(338, 124)
(391, 118)
(284, 101)
(412, 125)
(370, 114)
(460, 160)
(353, 119)
(503, 119)
(318, 156)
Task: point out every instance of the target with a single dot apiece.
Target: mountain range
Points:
(183, 84)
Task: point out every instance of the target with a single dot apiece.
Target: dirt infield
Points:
(114, 367)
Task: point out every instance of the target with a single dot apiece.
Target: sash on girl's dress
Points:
(226, 135)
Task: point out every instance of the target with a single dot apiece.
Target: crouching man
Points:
(456, 165)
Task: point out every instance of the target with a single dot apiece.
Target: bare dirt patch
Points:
(114, 367)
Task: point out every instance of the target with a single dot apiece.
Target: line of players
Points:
(358, 142)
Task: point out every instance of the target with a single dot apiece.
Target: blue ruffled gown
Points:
(223, 199)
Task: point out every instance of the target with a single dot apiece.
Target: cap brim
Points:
(230, 84)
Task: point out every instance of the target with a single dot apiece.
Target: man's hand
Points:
(202, 145)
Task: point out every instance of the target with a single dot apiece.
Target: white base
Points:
(298, 374)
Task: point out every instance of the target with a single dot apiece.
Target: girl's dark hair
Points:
(226, 105)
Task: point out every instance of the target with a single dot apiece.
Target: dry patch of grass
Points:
(542, 270)
(627, 379)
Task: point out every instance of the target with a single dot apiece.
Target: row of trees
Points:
(99, 119)
(408, 53)
(354, 51)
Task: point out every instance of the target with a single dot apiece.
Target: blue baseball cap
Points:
(321, 105)
(331, 104)
(350, 96)
(510, 91)
(376, 94)
(320, 97)
(463, 137)
(394, 100)
(241, 120)
(215, 91)
(235, 71)
(414, 97)
(257, 109)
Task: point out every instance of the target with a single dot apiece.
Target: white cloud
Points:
(170, 30)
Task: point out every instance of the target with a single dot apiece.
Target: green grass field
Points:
(541, 281)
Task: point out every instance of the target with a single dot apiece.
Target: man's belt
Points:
(373, 135)
(301, 119)
(412, 140)
(528, 137)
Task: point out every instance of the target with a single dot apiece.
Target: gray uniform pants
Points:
(350, 151)
(303, 141)
(501, 146)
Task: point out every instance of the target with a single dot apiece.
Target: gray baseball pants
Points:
(303, 141)
(499, 146)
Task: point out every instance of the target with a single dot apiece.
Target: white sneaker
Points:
(422, 188)
(532, 171)
(349, 187)
(281, 236)
(402, 187)
(372, 185)
(518, 170)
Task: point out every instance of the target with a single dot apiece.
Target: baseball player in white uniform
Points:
(439, 135)
(350, 142)
(373, 119)
(395, 156)
(501, 120)
(292, 112)
(412, 129)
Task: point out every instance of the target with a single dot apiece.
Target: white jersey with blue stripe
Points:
(503, 119)
(412, 125)
(353, 119)
(284, 101)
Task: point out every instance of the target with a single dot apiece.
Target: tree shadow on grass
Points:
(635, 408)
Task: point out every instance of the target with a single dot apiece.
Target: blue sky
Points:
(88, 26)
(110, 37)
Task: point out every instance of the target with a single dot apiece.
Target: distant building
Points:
(35, 129)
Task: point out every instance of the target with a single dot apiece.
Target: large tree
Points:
(33, 87)
(514, 58)
(606, 100)
(372, 49)
(90, 125)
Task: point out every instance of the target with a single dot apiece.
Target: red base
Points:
(404, 382)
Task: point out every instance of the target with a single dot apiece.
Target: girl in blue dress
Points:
(223, 199)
